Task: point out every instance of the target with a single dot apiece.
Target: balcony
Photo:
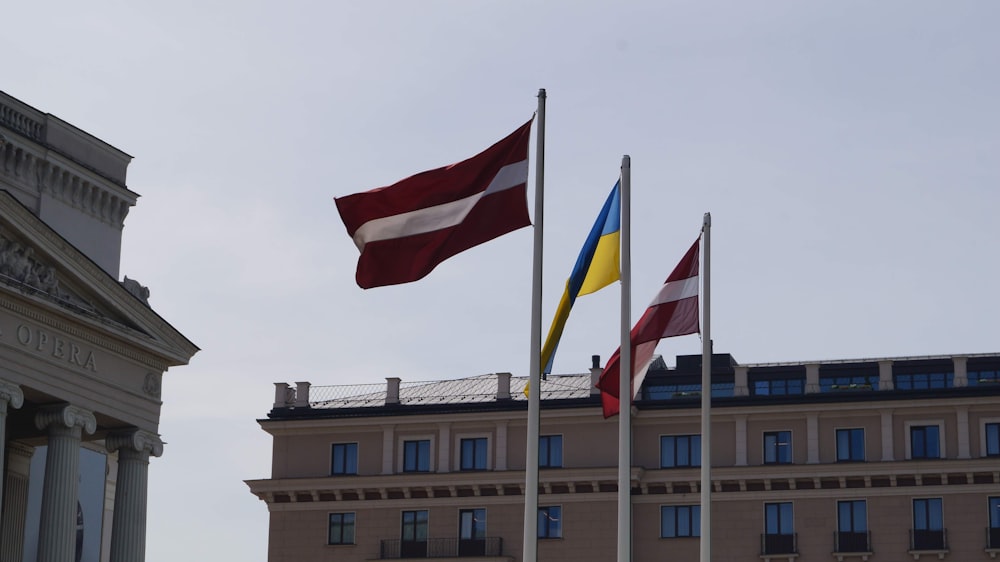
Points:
(993, 541)
(923, 541)
(852, 544)
(391, 549)
(779, 545)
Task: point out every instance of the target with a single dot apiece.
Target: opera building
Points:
(82, 354)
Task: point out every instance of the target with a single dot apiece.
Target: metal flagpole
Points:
(625, 374)
(706, 397)
(534, 364)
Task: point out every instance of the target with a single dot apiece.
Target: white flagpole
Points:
(534, 363)
(706, 397)
(625, 374)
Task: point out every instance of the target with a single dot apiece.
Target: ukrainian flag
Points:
(596, 268)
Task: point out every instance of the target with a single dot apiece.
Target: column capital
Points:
(10, 393)
(67, 415)
(137, 440)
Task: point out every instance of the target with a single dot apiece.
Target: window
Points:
(994, 531)
(344, 458)
(474, 453)
(472, 532)
(680, 451)
(928, 525)
(992, 431)
(924, 442)
(977, 378)
(417, 456)
(844, 383)
(413, 535)
(778, 386)
(851, 445)
(674, 391)
(777, 447)
(341, 528)
(924, 381)
(550, 522)
(550, 451)
(680, 521)
(852, 526)
(779, 530)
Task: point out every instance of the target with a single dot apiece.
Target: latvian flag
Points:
(406, 229)
(674, 312)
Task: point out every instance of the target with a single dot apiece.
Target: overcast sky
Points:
(847, 150)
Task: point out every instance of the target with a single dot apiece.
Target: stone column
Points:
(57, 527)
(9, 394)
(812, 378)
(15, 502)
(128, 528)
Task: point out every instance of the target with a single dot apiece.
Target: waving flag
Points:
(596, 267)
(406, 229)
(673, 312)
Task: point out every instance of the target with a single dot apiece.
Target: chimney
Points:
(503, 386)
(281, 395)
(595, 374)
(301, 394)
(392, 390)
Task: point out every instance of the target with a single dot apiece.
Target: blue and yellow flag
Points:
(596, 268)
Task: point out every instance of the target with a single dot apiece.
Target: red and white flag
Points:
(674, 312)
(406, 229)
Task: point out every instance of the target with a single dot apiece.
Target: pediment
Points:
(43, 269)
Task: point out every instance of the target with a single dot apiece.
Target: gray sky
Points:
(847, 151)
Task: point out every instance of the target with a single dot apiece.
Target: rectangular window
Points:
(924, 442)
(341, 528)
(778, 387)
(472, 532)
(777, 447)
(852, 526)
(344, 458)
(779, 528)
(928, 524)
(847, 383)
(924, 381)
(992, 439)
(413, 534)
(474, 453)
(977, 378)
(417, 456)
(550, 522)
(678, 451)
(851, 445)
(994, 532)
(550, 451)
(680, 521)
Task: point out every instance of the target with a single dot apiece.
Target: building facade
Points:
(82, 354)
(878, 459)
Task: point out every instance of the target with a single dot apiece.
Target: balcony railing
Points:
(922, 539)
(856, 541)
(776, 543)
(993, 537)
(440, 548)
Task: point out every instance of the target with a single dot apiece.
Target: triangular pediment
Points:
(42, 268)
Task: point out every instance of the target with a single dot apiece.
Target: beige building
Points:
(82, 353)
(877, 459)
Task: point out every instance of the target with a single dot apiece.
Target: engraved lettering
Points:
(91, 364)
(74, 354)
(43, 338)
(57, 348)
(23, 334)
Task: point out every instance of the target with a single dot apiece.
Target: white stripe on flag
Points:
(441, 216)
(676, 290)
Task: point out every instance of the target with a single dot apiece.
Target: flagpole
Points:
(706, 398)
(530, 553)
(625, 374)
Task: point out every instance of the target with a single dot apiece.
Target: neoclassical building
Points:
(82, 354)
(880, 459)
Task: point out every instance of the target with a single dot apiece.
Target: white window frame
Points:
(942, 440)
(457, 448)
(401, 439)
